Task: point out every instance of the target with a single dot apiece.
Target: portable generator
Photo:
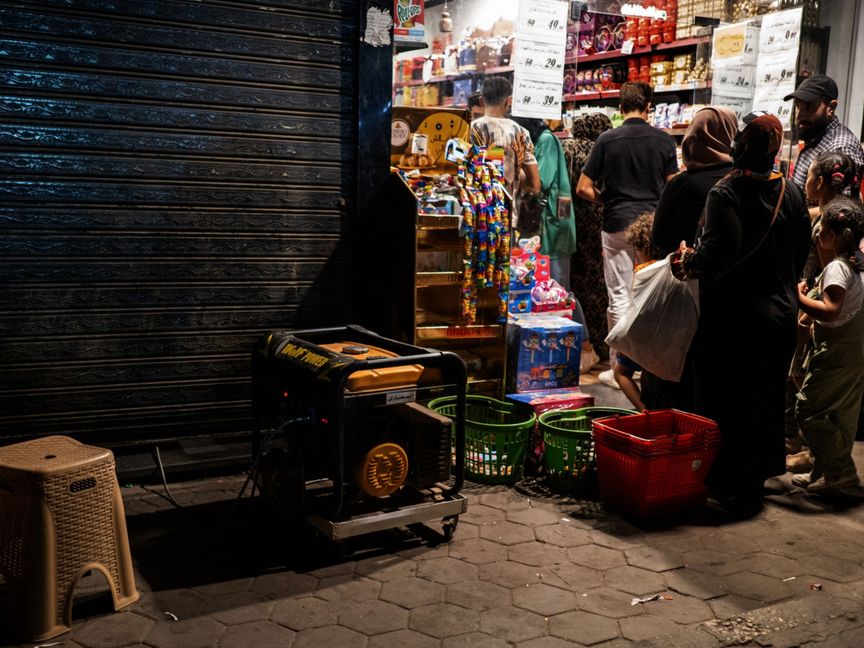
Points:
(341, 437)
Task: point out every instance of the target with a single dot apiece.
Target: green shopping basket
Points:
(569, 449)
(496, 437)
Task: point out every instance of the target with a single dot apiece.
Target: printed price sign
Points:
(540, 60)
(536, 98)
(740, 105)
(734, 80)
(781, 31)
(544, 20)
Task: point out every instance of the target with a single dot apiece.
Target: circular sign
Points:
(399, 133)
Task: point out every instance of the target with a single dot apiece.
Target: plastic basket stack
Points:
(654, 463)
(496, 437)
(569, 448)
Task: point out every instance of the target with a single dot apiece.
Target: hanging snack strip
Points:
(486, 229)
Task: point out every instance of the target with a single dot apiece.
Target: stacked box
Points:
(554, 399)
(544, 352)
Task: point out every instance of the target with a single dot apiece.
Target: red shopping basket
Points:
(654, 463)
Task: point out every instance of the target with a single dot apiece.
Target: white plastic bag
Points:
(658, 328)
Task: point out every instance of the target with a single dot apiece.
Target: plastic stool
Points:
(61, 515)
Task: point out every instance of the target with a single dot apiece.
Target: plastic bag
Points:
(657, 330)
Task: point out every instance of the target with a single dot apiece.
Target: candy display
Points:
(569, 398)
(486, 232)
(544, 352)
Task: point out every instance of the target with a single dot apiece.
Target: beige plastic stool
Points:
(61, 515)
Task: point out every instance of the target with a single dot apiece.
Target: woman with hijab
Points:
(750, 254)
(586, 268)
(707, 154)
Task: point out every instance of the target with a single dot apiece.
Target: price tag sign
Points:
(781, 31)
(538, 59)
(627, 47)
(537, 98)
(733, 80)
(740, 105)
(544, 20)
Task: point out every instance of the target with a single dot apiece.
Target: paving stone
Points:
(443, 620)
(412, 592)
(537, 554)
(618, 539)
(447, 570)
(330, 636)
(634, 580)
(544, 599)
(847, 550)
(833, 568)
(513, 624)
(578, 578)
(226, 587)
(646, 626)
(478, 551)
(386, 568)
(425, 552)
(654, 559)
(732, 605)
(200, 632)
(753, 528)
(113, 630)
(284, 584)
(304, 613)
(563, 534)
(548, 642)
(512, 575)
(373, 617)
(237, 608)
(596, 557)
(608, 602)
(790, 543)
(505, 500)
(759, 587)
(801, 588)
(713, 562)
(583, 627)
(480, 515)
(691, 582)
(478, 595)
(403, 639)
(258, 634)
(475, 640)
(720, 541)
(674, 542)
(183, 603)
(533, 517)
(772, 565)
(336, 569)
(348, 588)
(507, 533)
(681, 609)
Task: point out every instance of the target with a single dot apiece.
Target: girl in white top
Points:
(830, 398)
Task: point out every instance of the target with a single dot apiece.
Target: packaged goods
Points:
(544, 352)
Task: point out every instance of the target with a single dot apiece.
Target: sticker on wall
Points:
(378, 23)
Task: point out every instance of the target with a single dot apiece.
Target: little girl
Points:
(830, 398)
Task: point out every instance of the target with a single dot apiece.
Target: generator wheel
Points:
(448, 526)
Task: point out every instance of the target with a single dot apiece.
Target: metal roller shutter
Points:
(176, 177)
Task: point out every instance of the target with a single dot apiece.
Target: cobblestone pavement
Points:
(525, 569)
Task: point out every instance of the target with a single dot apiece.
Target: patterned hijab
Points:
(589, 127)
(708, 140)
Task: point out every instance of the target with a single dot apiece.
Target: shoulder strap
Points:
(765, 235)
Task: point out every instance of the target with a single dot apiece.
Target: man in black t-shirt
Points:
(625, 173)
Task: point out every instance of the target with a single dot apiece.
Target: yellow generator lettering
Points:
(304, 355)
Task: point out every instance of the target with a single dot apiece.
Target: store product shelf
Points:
(460, 332)
(614, 94)
(435, 221)
(431, 279)
(506, 69)
(405, 45)
(617, 54)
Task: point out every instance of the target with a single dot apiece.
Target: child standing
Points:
(830, 175)
(639, 236)
(830, 397)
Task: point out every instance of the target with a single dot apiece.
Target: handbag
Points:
(530, 209)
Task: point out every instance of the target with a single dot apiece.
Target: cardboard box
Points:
(544, 352)
(554, 399)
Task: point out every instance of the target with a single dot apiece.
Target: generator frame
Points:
(273, 373)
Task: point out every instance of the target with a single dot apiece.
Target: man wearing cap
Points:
(815, 104)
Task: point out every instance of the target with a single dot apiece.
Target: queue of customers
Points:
(778, 355)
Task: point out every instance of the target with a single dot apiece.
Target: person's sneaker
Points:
(801, 462)
(608, 378)
(588, 359)
(827, 486)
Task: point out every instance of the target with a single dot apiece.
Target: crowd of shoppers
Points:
(778, 258)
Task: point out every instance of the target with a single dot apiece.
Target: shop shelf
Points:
(435, 221)
(614, 94)
(426, 279)
(637, 51)
(460, 332)
(452, 77)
